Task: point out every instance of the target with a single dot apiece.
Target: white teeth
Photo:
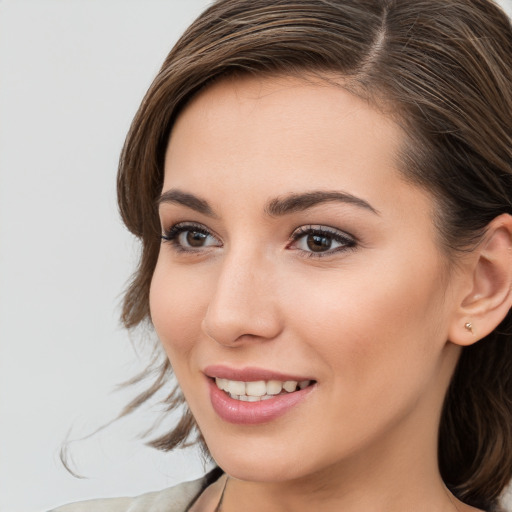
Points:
(255, 391)
(236, 387)
(290, 386)
(274, 387)
(258, 388)
(222, 384)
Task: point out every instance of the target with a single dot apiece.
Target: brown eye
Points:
(195, 238)
(190, 237)
(321, 240)
(319, 243)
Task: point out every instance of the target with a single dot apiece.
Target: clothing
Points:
(174, 499)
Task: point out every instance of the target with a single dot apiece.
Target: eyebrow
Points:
(276, 207)
(299, 202)
(189, 200)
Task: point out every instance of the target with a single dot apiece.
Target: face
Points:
(299, 292)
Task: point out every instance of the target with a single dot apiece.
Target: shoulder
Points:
(173, 499)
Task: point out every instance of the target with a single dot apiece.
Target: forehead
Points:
(280, 134)
(282, 104)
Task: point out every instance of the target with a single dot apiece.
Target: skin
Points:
(368, 320)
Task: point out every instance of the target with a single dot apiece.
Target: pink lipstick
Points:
(251, 396)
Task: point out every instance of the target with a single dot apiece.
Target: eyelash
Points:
(172, 235)
(346, 241)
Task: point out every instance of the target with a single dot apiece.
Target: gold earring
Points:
(469, 327)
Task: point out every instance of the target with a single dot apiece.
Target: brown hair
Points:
(445, 68)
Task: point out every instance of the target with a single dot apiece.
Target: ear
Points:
(488, 278)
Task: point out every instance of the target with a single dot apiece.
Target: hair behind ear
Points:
(475, 438)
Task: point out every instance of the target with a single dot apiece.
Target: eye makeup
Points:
(190, 237)
(309, 240)
(319, 241)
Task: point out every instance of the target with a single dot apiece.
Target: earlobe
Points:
(490, 296)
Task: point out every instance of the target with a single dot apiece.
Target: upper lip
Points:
(250, 374)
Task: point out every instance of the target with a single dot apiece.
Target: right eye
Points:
(190, 237)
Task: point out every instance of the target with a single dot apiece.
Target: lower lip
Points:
(253, 413)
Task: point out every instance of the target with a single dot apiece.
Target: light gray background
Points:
(72, 73)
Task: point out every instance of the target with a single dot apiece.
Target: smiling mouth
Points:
(255, 391)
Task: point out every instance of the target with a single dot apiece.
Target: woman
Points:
(323, 191)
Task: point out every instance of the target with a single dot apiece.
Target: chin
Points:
(259, 470)
(260, 460)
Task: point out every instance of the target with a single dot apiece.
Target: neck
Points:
(331, 494)
(242, 496)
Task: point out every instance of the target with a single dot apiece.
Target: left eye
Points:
(190, 237)
(318, 240)
(193, 238)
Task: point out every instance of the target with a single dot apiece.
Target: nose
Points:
(244, 305)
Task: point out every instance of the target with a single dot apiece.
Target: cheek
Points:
(374, 322)
(177, 305)
(375, 345)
